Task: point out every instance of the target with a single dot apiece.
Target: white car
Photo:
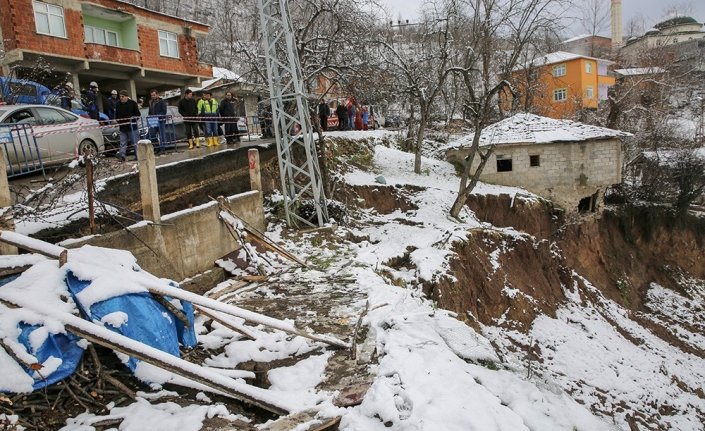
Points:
(59, 134)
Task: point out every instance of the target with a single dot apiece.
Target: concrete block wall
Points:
(568, 171)
(185, 243)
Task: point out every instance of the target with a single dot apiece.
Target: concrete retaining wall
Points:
(186, 242)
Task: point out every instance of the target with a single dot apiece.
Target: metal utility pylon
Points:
(298, 162)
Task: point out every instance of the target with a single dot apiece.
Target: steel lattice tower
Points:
(291, 117)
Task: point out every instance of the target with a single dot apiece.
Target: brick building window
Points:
(101, 36)
(560, 95)
(535, 161)
(168, 45)
(504, 163)
(49, 19)
(559, 70)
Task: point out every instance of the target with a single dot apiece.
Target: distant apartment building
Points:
(588, 45)
(560, 84)
(677, 44)
(115, 43)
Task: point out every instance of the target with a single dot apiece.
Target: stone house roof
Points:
(533, 129)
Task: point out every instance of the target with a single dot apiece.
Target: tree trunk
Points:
(419, 145)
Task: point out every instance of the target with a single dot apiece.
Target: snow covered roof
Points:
(636, 71)
(558, 57)
(578, 37)
(533, 129)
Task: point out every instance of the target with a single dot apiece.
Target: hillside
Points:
(518, 317)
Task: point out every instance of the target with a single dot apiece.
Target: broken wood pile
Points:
(228, 315)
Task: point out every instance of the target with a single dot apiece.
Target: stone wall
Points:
(567, 171)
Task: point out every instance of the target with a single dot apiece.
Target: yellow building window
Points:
(589, 92)
(559, 70)
(560, 95)
(588, 67)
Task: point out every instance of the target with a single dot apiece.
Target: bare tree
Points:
(498, 32)
(594, 18)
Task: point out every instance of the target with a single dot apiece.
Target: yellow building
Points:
(560, 84)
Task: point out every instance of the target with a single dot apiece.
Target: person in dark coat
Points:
(323, 114)
(112, 105)
(126, 115)
(157, 110)
(189, 110)
(227, 110)
(342, 113)
(90, 100)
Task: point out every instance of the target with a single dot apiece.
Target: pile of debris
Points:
(56, 304)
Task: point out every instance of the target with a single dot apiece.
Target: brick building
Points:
(112, 42)
(567, 162)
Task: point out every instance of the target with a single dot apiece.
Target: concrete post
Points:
(148, 181)
(6, 222)
(255, 169)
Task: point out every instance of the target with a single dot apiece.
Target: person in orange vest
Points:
(208, 110)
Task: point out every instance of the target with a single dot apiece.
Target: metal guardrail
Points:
(21, 149)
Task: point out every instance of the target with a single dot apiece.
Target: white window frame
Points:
(48, 11)
(106, 36)
(588, 67)
(559, 91)
(171, 42)
(559, 70)
(589, 92)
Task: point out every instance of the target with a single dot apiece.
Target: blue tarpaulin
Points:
(60, 346)
(148, 321)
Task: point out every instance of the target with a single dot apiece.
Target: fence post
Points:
(90, 188)
(6, 221)
(148, 181)
(255, 169)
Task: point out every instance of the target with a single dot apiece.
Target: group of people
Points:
(205, 111)
(351, 115)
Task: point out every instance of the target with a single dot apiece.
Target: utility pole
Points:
(291, 118)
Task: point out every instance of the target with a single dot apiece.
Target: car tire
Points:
(86, 148)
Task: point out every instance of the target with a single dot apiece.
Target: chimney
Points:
(616, 12)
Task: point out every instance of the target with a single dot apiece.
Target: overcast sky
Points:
(651, 10)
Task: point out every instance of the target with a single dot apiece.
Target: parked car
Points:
(58, 133)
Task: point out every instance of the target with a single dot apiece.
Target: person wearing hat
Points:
(126, 115)
(90, 99)
(112, 104)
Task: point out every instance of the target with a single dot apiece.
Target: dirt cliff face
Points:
(505, 277)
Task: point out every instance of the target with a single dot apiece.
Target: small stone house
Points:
(565, 161)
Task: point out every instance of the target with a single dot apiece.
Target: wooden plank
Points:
(258, 236)
(303, 421)
(236, 285)
(4, 272)
(214, 315)
(255, 278)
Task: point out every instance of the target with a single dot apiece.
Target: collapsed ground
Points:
(519, 317)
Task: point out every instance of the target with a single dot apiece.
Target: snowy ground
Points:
(430, 371)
